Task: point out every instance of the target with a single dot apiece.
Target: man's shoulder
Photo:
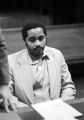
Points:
(16, 55)
(54, 53)
(52, 50)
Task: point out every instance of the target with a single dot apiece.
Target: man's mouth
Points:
(38, 50)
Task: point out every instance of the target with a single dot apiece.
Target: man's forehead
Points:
(35, 31)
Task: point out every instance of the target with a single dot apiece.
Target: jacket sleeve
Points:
(4, 72)
(68, 90)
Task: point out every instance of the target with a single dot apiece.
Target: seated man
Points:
(39, 73)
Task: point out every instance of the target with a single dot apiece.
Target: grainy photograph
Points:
(41, 59)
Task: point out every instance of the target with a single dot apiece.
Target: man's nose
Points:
(37, 43)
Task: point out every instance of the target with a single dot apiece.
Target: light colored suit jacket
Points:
(61, 84)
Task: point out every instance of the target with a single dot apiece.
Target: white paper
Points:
(56, 110)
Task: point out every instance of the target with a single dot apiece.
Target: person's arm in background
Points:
(4, 77)
(5, 93)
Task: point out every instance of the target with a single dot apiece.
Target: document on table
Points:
(56, 110)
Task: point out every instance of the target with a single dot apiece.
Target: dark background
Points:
(60, 11)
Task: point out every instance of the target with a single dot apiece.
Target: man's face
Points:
(36, 41)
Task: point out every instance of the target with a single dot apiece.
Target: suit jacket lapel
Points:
(26, 77)
(54, 75)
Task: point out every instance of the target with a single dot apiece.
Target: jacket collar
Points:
(24, 56)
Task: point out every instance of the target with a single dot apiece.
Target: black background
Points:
(62, 11)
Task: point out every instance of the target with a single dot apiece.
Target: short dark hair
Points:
(31, 25)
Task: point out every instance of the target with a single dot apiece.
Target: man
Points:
(39, 73)
(5, 93)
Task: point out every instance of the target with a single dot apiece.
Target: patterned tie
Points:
(39, 74)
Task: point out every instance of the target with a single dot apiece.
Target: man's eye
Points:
(41, 38)
(32, 39)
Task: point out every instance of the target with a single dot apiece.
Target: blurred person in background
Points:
(5, 93)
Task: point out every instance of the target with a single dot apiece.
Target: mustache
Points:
(38, 48)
